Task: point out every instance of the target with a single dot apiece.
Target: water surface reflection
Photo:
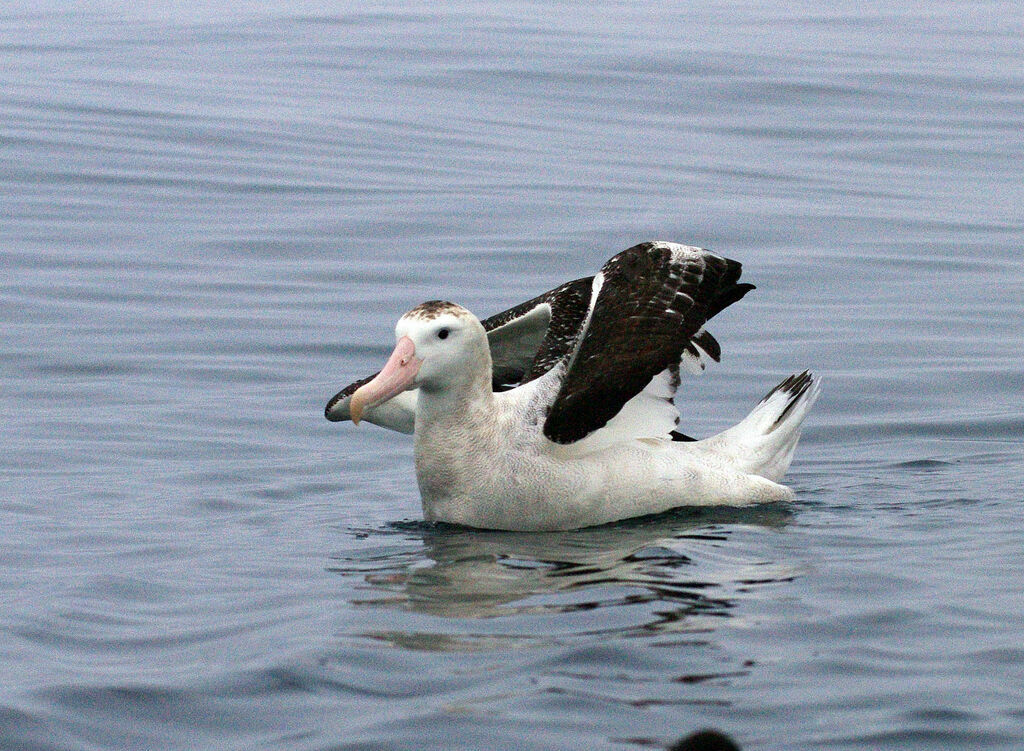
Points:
(678, 567)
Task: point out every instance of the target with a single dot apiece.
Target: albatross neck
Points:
(463, 395)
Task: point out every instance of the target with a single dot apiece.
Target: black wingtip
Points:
(729, 294)
(329, 412)
(329, 409)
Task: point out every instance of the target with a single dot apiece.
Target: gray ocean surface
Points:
(211, 216)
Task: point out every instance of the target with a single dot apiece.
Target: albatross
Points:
(559, 413)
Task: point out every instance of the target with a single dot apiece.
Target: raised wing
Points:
(528, 340)
(647, 311)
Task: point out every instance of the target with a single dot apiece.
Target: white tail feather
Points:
(764, 441)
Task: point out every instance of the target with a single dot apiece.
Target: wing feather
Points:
(568, 307)
(652, 301)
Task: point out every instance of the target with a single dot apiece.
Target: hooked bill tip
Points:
(355, 406)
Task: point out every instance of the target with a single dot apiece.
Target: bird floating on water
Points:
(559, 413)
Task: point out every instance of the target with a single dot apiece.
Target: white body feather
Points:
(487, 463)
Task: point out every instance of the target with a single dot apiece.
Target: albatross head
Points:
(439, 344)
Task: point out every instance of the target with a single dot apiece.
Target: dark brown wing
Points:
(653, 302)
(569, 305)
(337, 408)
(529, 352)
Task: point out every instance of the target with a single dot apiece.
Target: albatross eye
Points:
(443, 333)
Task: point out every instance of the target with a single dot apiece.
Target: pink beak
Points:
(397, 375)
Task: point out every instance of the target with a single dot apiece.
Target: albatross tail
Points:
(764, 441)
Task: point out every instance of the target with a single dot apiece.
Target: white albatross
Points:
(559, 413)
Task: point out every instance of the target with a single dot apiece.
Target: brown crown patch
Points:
(431, 309)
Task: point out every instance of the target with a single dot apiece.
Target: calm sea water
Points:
(210, 218)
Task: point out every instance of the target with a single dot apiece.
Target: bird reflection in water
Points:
(678, 567)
